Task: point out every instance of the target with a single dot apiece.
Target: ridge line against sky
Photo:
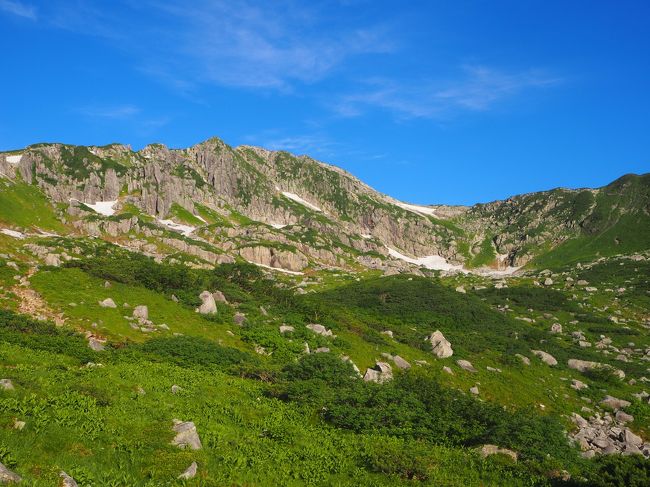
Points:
(429, 102)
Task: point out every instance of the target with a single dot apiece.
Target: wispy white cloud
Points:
(316, 144)
(250, 44)
(478, 88)
(125, 114)
(18, 8)
(115, 112)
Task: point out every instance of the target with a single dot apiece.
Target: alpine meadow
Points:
(236, 312)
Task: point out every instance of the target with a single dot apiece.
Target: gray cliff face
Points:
(281, 210)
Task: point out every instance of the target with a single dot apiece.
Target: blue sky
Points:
(429, 101)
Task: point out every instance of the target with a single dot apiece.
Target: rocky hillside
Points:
(220, 204)
(140, 346)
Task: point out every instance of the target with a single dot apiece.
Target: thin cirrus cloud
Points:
(317, 144)
(477, 88)
(247, 44)
(19, 9)
(130, 115)
(115, 112)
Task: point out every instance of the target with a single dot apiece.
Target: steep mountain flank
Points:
(219, 204)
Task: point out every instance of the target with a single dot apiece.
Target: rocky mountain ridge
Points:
(218, 203)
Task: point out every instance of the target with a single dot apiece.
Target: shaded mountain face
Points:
(218, 204)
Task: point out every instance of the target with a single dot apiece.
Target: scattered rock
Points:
(239, 319)
(320, 330)
(322, 350)
(286, 328)
(547, 358)
(96, 344)
(186, 435)
(108, 303)
(6, 384)
(440, 346)
(176, 389)
(448, 370)
(7, 476)
(461, 289)
(548, 281)
(219, 297)
(52, 260)
(623, 418)
(525, 360)
(487, 450)
(556, 328)
(67, 481)
(380, 373)
(19, 425)
(466, 365)
(586, 366)
(208, 305)
(614, 402)
(474, 390)
(401, 363)
(578, 385)
(388, 333)
(190, 472)
(107, 285)
(141, 312)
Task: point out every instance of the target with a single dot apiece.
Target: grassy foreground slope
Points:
(269, 414)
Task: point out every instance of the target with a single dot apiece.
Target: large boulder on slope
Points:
(440, 346)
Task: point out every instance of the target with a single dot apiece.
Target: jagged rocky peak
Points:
(281, 208)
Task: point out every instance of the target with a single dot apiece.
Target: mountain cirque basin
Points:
(236, 316)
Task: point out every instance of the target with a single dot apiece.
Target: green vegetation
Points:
(26, 206)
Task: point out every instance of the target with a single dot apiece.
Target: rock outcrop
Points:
(208, 305)
(440, 346)
(607, 435)
(186, 435)
(545, 357)
(7, 476)
(380, 373)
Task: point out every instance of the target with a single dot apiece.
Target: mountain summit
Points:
(218, 204)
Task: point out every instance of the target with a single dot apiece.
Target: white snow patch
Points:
(277, 225)
(279, 269)
(12, 233)
(433, 262)
(200, 218)
(14, 159)
(298, 199)
(421, 210)
(365, 235)
(103, 207)
(178, 227)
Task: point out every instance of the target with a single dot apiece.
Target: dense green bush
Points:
(620, 471)
(418, 407)
(190, 351)
(43, 335)
(538, 298)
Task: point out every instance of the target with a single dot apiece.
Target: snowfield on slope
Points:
(103, 207)
(186, 230)
(279, 269)
(12, 233)
(438, 263)
(298, 199)
(433, 262)
(421, 210)
(14, 159)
